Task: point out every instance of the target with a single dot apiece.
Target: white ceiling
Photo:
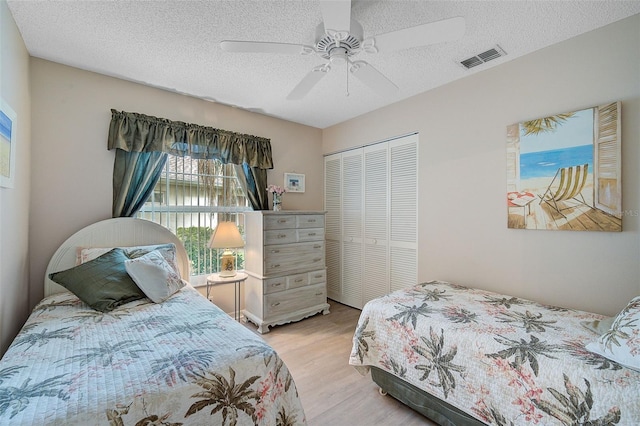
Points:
(174, 45)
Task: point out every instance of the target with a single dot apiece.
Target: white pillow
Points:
(168, 251)
(155, 277)
(621, 343)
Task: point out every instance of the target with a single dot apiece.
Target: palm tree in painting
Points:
(545, 124)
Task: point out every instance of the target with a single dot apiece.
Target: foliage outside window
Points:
(190, 198)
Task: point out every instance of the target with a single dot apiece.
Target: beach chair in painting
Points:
(572, 181)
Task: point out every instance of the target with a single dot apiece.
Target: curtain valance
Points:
(134, 132)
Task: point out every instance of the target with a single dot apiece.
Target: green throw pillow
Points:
(102, 283)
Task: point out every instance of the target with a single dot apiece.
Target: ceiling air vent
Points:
(481, 58)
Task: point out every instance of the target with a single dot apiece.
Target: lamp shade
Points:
(225, 236)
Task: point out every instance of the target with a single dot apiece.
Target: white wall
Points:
(72, 168)
(462, 178)
(14, 202)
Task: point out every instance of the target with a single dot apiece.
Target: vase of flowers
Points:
(277, 192)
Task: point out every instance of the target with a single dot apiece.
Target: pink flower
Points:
(276, 189)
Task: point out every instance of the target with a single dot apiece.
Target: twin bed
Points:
(179, 361)
(464, 356)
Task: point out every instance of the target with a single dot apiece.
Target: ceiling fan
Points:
(339, 38)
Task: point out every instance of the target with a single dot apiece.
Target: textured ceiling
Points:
(174, 45)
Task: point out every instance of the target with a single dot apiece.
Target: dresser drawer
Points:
(280, 260)
(279, 222)
(310, 234)
(310, 221)
(298, 280)
(316, 277)
(293, 300)
(273, 285)
(280, 236)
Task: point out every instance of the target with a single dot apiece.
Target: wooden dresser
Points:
(285, 261)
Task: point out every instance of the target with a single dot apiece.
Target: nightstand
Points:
(216, 279)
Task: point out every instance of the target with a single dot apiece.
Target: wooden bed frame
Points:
(117, 232)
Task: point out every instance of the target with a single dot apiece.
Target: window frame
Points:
(172, 211)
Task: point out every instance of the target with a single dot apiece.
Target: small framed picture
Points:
(294, 182)
(7, 145)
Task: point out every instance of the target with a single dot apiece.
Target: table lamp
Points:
(226, 236)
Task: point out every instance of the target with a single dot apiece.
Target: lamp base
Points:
(227, 274)
(227, 265)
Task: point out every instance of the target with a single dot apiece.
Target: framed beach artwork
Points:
(564, 171)
(8, 142)
(294, 182)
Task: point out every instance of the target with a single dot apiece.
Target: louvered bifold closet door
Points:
(376, 222)
(607, 159)
(352, 259)
(333, 224)
(403, 244)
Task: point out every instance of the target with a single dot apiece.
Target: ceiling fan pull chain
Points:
(346, 68)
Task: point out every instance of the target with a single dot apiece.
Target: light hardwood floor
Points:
(316, 351)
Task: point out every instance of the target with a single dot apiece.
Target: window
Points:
(190, 198)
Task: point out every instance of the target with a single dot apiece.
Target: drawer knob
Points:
(319, 294)
(277, 265)
(282, 236)
(299, 280)
(275, 251)
(311, 220)
(317, 259)
(317, 246)
(282, 220)
(311, 234)
(275, 304)
(276, 284)
(317, 276)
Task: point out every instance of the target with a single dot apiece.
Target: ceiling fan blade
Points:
(308, 82)
(373, 78)
(265, 47)
(420, 35)
(336, 15)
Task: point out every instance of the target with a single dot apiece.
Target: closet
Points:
(371, 200)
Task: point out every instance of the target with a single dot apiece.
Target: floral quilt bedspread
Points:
(183, 361)
(500, 359)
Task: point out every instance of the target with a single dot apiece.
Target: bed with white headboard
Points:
(169, 356)
(117, 232)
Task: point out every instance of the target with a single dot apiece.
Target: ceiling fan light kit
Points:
(339, 38)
